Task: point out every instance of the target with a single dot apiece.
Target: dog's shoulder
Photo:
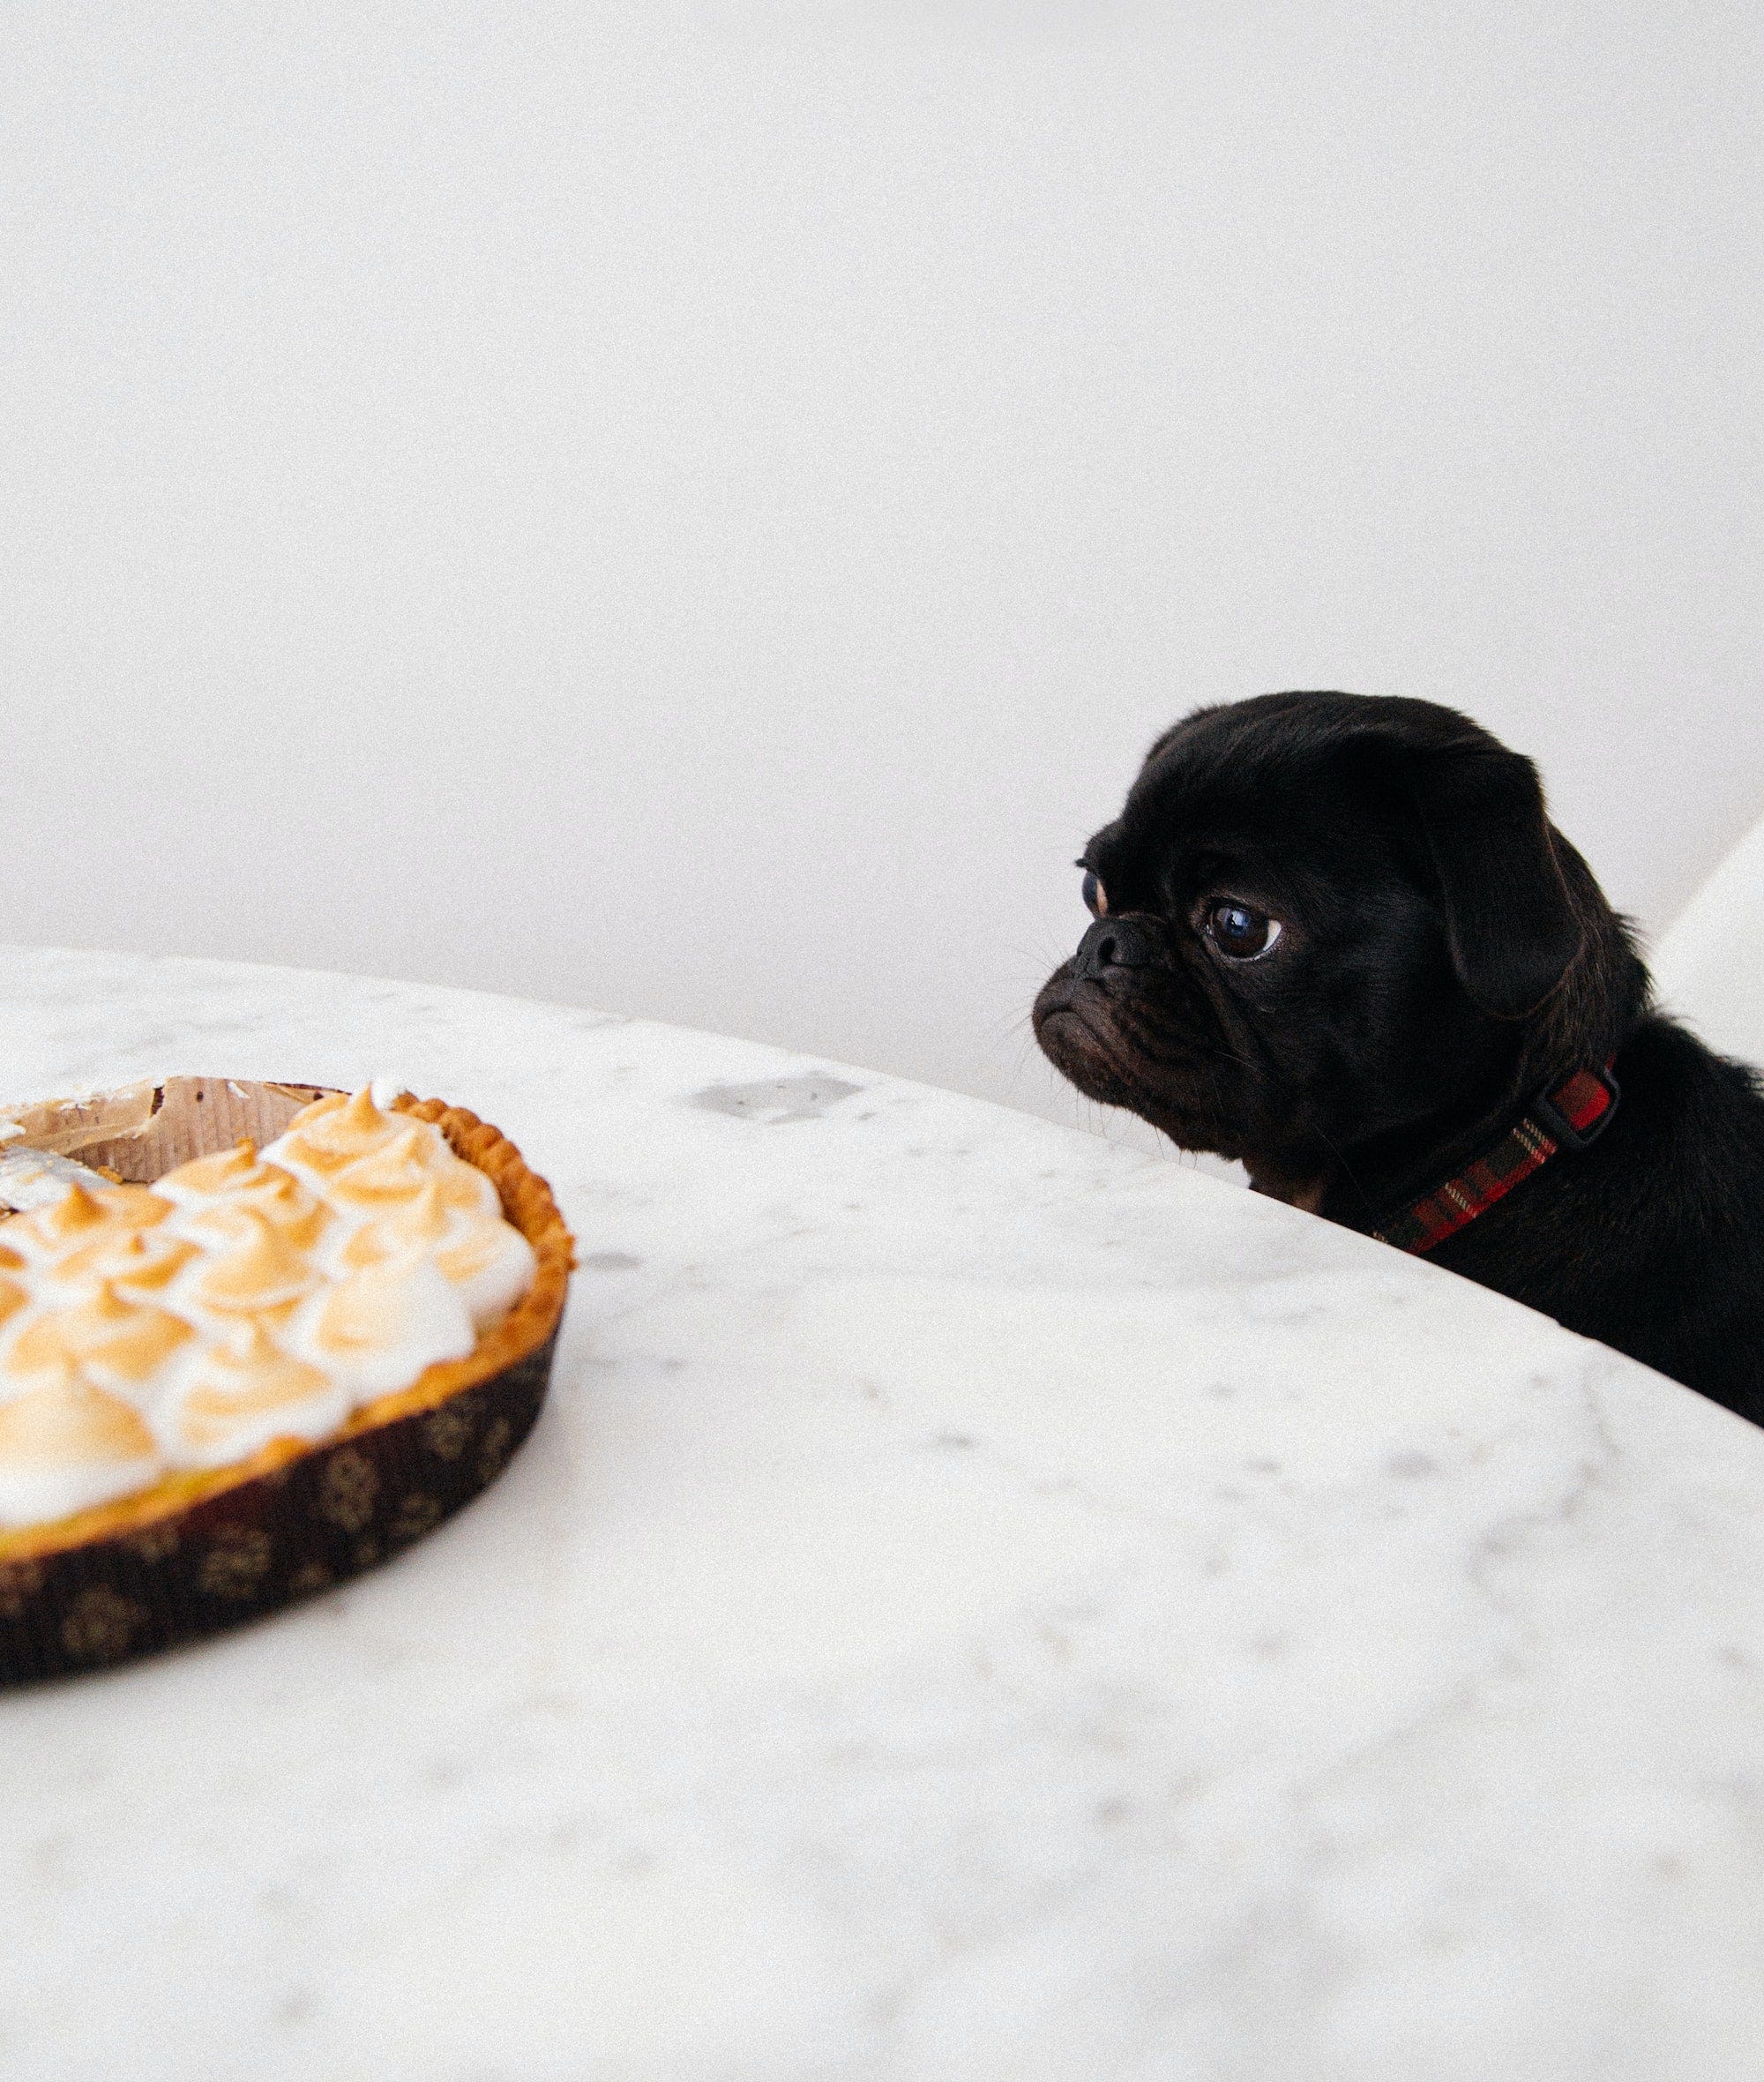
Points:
(1652, 1240)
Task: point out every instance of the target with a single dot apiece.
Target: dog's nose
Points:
(1114, 943)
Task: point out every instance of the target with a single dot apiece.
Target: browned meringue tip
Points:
(335, 1132)
(261, 1269)
(224, 1172)
(424, 1219)
(141, 1262)
(82, 1216)
(67, 1220)
(62, 1417)
(243, 1378)
(104, 1332)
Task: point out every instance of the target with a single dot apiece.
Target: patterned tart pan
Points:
(198, 1552)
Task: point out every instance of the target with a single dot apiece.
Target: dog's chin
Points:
(1085, 1057)
(1088, 1048)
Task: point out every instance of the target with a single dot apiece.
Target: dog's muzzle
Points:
(1113, 943)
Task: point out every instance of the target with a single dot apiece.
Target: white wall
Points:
(699, 510)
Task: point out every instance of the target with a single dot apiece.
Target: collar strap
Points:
(1572, 1115)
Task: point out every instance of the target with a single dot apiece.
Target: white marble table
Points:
(980, 1606)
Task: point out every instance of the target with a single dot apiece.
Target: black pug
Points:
(1338, 938)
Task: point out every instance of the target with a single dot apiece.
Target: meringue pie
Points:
(245, 1298)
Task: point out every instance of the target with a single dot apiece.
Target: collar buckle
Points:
(1546, 1109)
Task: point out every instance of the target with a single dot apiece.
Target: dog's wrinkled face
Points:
(1319, 918)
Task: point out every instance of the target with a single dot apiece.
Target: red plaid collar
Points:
(1570, 1115)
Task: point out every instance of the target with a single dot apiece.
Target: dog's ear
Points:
(1510, 921)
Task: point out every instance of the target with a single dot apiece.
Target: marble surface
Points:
(980, 1606)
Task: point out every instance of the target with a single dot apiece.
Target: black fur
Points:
(1446, 954)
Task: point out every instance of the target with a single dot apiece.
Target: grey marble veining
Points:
(981, 1606)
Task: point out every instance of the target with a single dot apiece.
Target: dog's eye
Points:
(1240, 933)
(1095, 896)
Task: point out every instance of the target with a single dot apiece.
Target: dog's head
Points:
(1323, 920)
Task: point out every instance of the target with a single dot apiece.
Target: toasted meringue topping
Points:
(141, 1262)
(72, 1219)
(247, 1391)
(418, 1224)
(393, 1174)
(379, 1328)
(490, 1262)
(131, 1207)
(65, 1444)
(298, 1217)
(66, 1417)
(330, 1133)
(117, 1341)
(237, 1170)
(255, 1297)
(237, 1177)
(398, 1172)
(79, 1217)
(258, 1269)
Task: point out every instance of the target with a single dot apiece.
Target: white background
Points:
(700, 511)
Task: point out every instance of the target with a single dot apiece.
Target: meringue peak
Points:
(333, 1132)
(105, 1333)
(66, 1417)
(227, 1171)
(258, 1267)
